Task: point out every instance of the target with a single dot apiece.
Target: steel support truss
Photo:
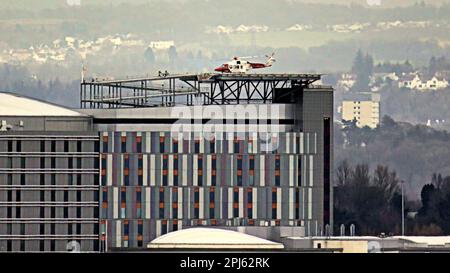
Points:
(191, 89)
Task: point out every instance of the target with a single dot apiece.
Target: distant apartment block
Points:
(364, 108)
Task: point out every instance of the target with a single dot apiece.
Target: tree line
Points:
(372, 201)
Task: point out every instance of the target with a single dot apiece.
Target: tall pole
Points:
(403, 209)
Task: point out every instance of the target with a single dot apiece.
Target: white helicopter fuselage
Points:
(239, 66)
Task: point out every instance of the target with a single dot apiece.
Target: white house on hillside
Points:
(423, 83)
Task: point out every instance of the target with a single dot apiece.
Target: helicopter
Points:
(241, 65)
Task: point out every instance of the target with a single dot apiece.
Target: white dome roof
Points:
(211, 238)
(17, 105)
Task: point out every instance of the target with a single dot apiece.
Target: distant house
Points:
(435, 83)
(347, 81)
(161, 44)
(423, 83)
(411, 81)
(378, 80)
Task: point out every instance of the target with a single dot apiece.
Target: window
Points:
(66, 146)
(274, 203)
(138, 202)
(212, 146)
(140, 171)
(213, 170)
(196, 202)
(105, 198)
(126, 169)
(140, 232)
(236, 145)
(200, 171)
(103, 170)
(175, 170)
(161, 144)
(299, 171)
(123, 200)
(124, 143)
(236, 202)
(105, 140)
(249, 203)
(175, 146)
(139, 144)
(161, 203)
(239, 170)
(212, 202)
(251, 171)
(277, 170)
(126, 232)
(165, 170)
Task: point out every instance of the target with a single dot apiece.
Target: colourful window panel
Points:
(274, 203)
(103, 229)
(277, 170)
(249, 203)
(213, 170)
(126, 232)
(165, 171)
(175, 202)
(196, 202)
(197, 146)
(236, 202)
(175, 170)
(105, 143)
(175, 146)
(251, 170)
(140, 233)
(236, 145)
(103, 171)
(161, 202)
(163, 227)
(124, 144)
(140, 170)
(105, 198)
(212, 202)
(239, 170)
(138, 202)
(138, 144)
(175, 225)
(212, 146)
(200, 170)
(126, 169)
(123, 202)
(161, 144)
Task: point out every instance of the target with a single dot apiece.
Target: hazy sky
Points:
(33, 4)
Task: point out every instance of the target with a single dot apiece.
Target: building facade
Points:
(363, 108)
(119, 173)
(49, 178)
(160, 175)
